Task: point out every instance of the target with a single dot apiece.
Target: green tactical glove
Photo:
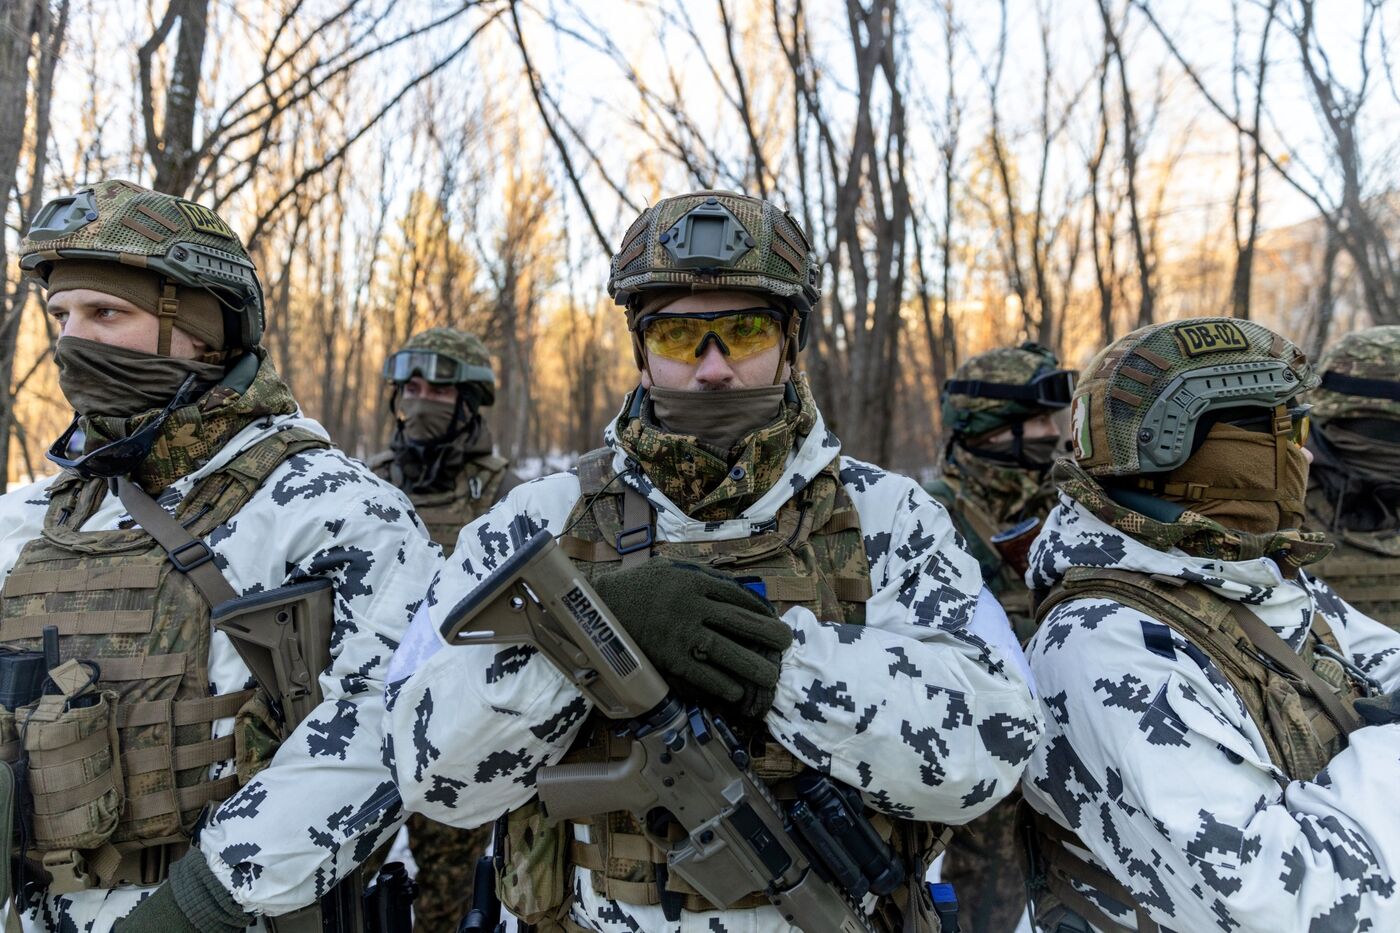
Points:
(714, 641)
(190, 901)
(1379, 710)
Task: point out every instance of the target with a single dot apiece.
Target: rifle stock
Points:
(682, 759)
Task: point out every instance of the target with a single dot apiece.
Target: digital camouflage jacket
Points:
(1152, 759)
(925, 708)
(274, 844)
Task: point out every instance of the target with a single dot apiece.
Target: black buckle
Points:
(205, 556)
(629, 532)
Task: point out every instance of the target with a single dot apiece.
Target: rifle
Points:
(683, 760)
(283, 635)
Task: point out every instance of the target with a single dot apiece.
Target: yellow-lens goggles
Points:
(740, 334)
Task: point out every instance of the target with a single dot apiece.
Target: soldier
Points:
(1212, 760)
(1354, 486)
(199, 482)
(877, 658)
(998, 410)
(442, 457)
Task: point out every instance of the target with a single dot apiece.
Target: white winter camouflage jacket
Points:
(1153, 760)
(292, 832)
(925, 709)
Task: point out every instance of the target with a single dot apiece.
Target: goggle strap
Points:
(1007, 391)
(1356, 385)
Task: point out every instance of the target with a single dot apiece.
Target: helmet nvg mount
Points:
(1138, 406)
(186, 243)
(711, 240)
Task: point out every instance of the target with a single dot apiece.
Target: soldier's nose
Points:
(713, 371)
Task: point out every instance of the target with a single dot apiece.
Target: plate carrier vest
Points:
(482, 482)
(812, 554)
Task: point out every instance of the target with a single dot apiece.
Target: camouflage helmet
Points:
(1004, 386)
(1140, 400)
(1360, 376)
(716, 240)
(187, 243)
(444, 356)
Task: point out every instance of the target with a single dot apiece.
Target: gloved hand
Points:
(1379, 710)
(190, 901)
(714, 641)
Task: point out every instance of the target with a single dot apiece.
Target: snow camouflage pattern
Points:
(925, 708)
(1151, 758)
(319, 515)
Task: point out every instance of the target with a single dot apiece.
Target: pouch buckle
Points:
(68, 871)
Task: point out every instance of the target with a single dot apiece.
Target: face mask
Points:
(720, 419)
(1235, 462)
(106, 381)
(426, 420)
(1037, 453)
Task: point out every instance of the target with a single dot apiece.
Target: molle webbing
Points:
(120, 600)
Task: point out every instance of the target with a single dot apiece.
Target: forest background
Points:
(973, 174)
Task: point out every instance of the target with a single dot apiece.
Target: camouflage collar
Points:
(195, 433)
(1006, 493)
(705, 484)
(1192, 533)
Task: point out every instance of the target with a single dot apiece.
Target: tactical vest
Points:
(482, 481)
(977, 528)
(1301, 703)
(812, 555)
(120, 780)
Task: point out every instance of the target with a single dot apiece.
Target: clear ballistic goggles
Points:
(438, 368)
(740, 334)
(1050, 389)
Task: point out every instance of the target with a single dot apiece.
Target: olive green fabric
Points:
(117, 600)
(198, 311)
(968, 416)
(718, 420)
(161, 913)
(192, 899)
(707, 484)
(750, 244)
(188, 244)
(714, 641)
(105, 381)
(195, 432)
(426, 419)
(1118, 426)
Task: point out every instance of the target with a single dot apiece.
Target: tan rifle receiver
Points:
(683, 760)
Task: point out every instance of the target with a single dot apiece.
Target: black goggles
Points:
(434, 367)
(1052, 389)
(122, 455)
